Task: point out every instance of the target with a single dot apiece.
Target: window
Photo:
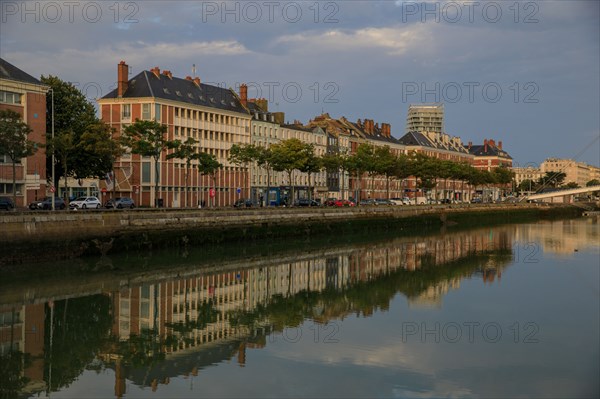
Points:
(10, 97)
(126, 111)
(146, 111)
(157, 112)
(146, 172)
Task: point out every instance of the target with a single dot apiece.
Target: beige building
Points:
(425, 118)
(577, 172)
(269, 128)
(527, 173)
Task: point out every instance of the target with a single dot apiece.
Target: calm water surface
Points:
(508, 311)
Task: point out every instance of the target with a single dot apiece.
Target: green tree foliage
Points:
(243, 155)
(147, 138)
(264, 159)
(63, 147)
(14, 142)
(288, 156)
(385, 165)
(593, 182)
(552, 179)
(100, 151)
(208, 165)
(311, 164)
(73, 114)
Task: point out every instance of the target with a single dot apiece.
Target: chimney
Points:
(156, 71)
(470, 145)
(279, 117)
(492, 143)
(168, 74)
(244, 94)
(197, 81)
(500, 145)
(262, 104)
(485, 144)
(188, 78)
(122, 78)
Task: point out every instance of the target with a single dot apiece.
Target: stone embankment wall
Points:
(34, 236)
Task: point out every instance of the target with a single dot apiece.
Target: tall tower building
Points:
(425, 118)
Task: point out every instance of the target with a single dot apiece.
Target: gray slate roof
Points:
(10, 72)
(147, 84)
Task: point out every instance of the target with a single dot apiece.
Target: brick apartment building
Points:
(24, 94)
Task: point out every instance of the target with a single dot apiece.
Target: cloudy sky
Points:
(526, 73)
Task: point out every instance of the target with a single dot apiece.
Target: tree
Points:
(385, 164)
(571, 184)
(312, 164)
(208, 165)
(100, 150)
(288, 156)
(528, 185)
(14, 143)
(552, 179)
(264, 159)
(593, 182)
(147, 138)
(62, 146)
(243, 155)
(73, 114)
(186, 151)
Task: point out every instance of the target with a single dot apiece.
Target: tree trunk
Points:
(291, 200)
(66, 183)
(156, 177)
(14, 182)
(268, 186)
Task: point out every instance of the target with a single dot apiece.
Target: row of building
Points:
(575, 172)
(218, 118)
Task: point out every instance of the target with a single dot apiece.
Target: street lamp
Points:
(53, 144)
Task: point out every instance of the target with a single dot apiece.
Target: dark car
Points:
(6, 203)
(367, 201)
(476, 200)
(243, 203)
(383, 201)
(445, 201)
(120, 203)
(306, 202)
(46, 203)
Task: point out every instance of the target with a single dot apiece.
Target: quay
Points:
(43, 236)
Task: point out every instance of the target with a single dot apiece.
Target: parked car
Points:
(367, 202)
(6, 203)
(120, 203)
(306, 202)
(244, 203)
(46, 203)
(85, 203)
(343, 202)
(445, 201)
(476, 200)
(330, 201)
(383, 201)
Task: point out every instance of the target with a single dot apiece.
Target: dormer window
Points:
(178, 93)
(190, 95)
(166, 91)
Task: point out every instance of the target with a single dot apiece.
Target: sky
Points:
(523, 72)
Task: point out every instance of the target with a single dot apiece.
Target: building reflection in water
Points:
(153, 328)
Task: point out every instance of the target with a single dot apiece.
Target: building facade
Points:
(24, 94)
(576, 172)
(425, 118)
(489, 155)
(215, 117)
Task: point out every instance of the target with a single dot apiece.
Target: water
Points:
(507, 311)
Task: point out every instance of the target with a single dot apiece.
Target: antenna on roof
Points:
(129, 70)
(194, 70)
